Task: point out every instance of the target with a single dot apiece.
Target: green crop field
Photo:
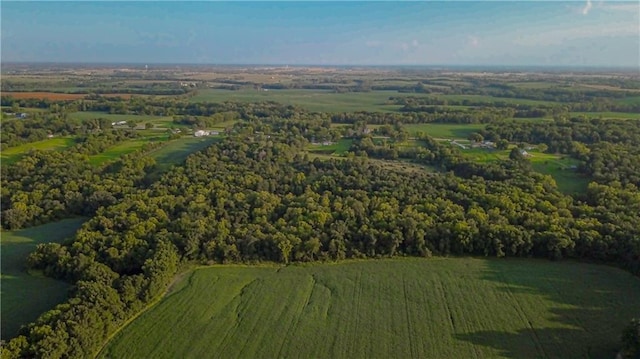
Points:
(492, 99)
(392, 308)
(312, 100)
(444, 130)
(25, 296)
(177, 151)
(13, 154)
(630, 100)
(119, 150)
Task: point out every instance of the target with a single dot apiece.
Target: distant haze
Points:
(515, 33)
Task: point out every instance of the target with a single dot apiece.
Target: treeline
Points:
(208, 121)
(434, 104)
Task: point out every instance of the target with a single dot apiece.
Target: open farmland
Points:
(176, 151)
(118, 150)
(57, 96)
(404, 308)
(24, 295)
(312, 100)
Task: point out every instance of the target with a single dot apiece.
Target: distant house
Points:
(22, 115)
(119, 123)
(525, 153)
(201, 133)
(326, 143)
(214, 133)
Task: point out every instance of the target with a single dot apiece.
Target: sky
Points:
(513, 33)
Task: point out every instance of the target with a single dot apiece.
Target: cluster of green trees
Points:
(47, 185)
(204, 122)
(609, 149)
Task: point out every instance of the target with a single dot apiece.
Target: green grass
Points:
(157, 121)
(444, 130)
(312, 100)
(336, 148)
(557, 166)
(13, 154)
(608, 115)
(402, 308)
(630, 100)
(492, 99)
(177, 151)
(118, 150)
(25, 296)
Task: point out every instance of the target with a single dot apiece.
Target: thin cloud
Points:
(587, 8)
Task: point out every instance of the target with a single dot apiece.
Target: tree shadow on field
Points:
(590, 305)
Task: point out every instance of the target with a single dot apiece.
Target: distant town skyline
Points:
(455, 33)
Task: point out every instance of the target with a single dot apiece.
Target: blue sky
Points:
(576, 33)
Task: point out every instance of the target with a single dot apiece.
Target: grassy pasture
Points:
(336, 148)
(25, 296)
(118, 150)
(392, 308)
(629, 100)
(444, 130)
(492, 99)
(557, 166)
(312, 100)
(13, 154)
(177, 151)
(608, 115)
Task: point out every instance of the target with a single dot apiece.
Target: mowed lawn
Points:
(444, 130)
(24, 296)
(176, 151)
(337, 148)
(123, 148)
(391, 308)
(13, 154)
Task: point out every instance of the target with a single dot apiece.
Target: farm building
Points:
(201, 133)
